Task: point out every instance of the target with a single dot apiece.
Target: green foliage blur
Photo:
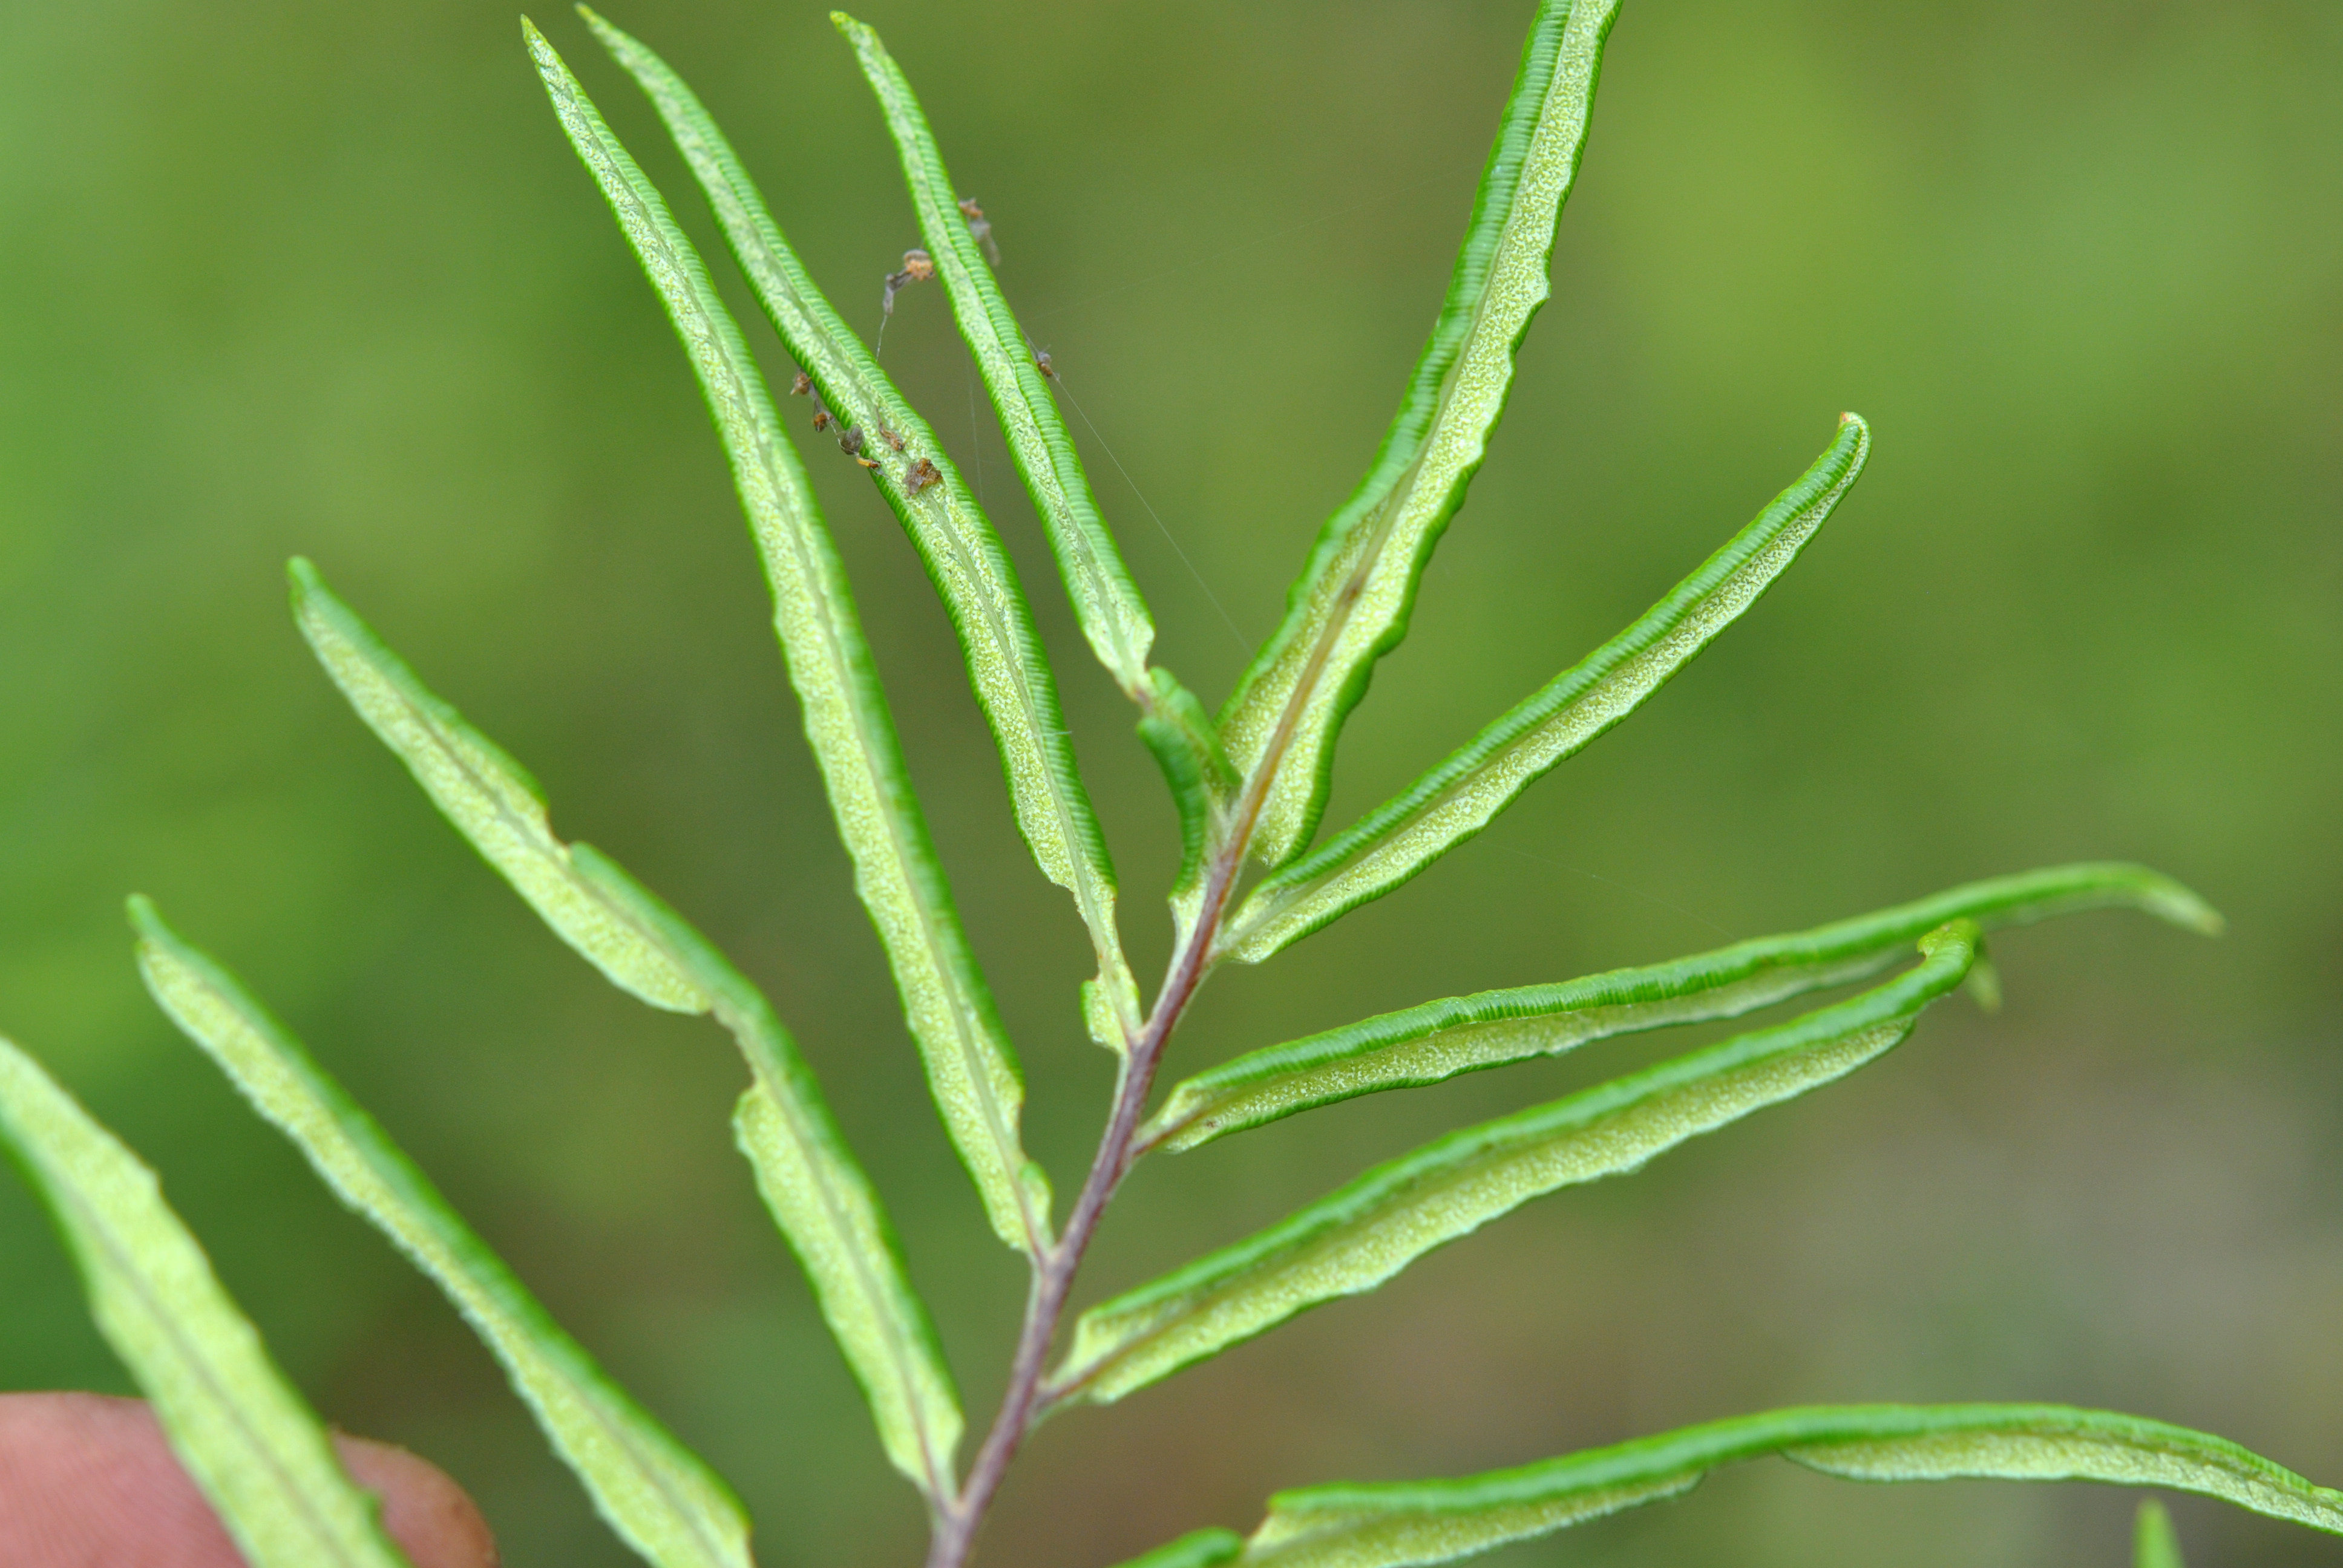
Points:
(327, 279)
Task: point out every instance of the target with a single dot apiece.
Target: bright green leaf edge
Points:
(1437, 1040)
(247, 1437)
(2153, 1542)
(660, 1498)
(1107, 603)
(971, 1066)
(1358, 1237)
(825, 1205)
(1464, 794)
(1197, 1548)
(1351, 603)
(1391, 1525)
(823, 1202)
(1178, 734)
(963, 555)
(491, 798)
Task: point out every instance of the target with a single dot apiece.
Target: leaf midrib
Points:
(1404, 492)
(943, 520)
(842, 682)
(916, 146)
(899, 1354)
(128, 1277)
(428, 1241)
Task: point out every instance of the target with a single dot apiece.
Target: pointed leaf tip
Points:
(1107, 603)
(965, 557)
(2184, 908)
(971, 1067)
(1390, 1524)
(487, 796)
(2153, 1542)
(1438, 1040)
(1352, 601)
(1464, 793)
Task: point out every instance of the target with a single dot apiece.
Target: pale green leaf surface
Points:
(245, 1436)
(656, 1494)
(1395, 1524)
(821, 1200)
(489, 798)
(970, 1068)
(1426, 1044)
(2153, 1543)
(837, 1231)
(1107, 603)
(1358, 1237)
(1464, 793)
(963, 555)
(1177, 732)
(1197, 1548)
(1352, 602)
(1204, 786)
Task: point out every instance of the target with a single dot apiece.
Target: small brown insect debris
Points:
(868, 462)
(852, 442)
(803, 385)
(919, 267)
(979, 228)
(891, 438)
(919, 476)
(821, 420)
(1041, 363)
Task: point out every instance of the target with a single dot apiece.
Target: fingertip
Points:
(429, 1515)
(89, 1478)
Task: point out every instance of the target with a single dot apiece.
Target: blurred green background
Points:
(327, 279)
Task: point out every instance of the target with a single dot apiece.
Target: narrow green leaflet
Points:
(2153, 1543)
(489, 798)
(1180, 734)
(822, 1201)
(1106, 602)
(970, 1067)
(1197, 1548)
(964, 557)
(656, 1494)
(1439, 1040)
(1356, 1238)
(834, 1224)
(1350, 604)
(1464, 794)
(235, 1422)
(1395, 1524)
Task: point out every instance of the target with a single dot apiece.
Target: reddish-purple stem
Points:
(956, 1521)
